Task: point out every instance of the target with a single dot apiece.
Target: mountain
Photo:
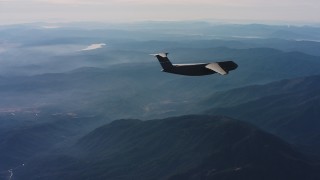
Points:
(304, 46)
(143, 90)
(186, 147)
(52, 93)
(25, 139)
(31, 49)
(238, 96)
(45, 68)
(288, 108)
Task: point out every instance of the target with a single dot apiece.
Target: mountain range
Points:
(110, 113)
(287, 108)
(186, 147)
(108, 91)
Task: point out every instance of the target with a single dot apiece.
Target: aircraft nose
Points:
(235, 66)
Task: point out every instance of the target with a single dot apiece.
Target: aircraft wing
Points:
(217, 68)
(222, 68)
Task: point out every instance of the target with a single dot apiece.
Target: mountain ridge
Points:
(288, 109)
(185, 147)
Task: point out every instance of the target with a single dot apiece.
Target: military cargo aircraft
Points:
(196, 69)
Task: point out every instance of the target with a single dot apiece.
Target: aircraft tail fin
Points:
(163, 60)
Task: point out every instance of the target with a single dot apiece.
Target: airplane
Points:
(197, 69)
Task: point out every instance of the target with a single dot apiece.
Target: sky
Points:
(25, 11)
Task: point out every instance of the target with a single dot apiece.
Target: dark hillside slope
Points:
(21, 143)
(187, 147)
(248, 93)
(290, 109)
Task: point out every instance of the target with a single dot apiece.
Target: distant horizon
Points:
(53, 24)
(126, 11)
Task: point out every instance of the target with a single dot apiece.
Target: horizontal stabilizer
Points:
(160, 54)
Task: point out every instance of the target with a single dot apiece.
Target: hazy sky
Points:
(16, 11)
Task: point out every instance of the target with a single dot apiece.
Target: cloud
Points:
(93, 46)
